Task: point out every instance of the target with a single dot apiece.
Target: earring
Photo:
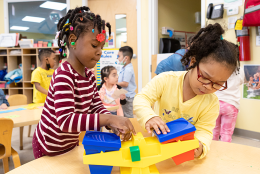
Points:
(72, 43)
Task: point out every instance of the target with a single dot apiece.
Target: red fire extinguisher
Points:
(243, 43)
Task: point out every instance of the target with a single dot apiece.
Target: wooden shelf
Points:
(29, 54)
(27, 57)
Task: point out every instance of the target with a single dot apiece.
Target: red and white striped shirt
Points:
(72, 105)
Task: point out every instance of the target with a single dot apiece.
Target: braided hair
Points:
(208, 42)
(78, 21)
(105, 72)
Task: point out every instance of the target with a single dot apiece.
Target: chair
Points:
(19, 99)
(6, 128)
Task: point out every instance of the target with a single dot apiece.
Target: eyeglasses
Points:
(206, 81)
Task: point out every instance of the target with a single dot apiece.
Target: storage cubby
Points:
(13, 62)
(30, 51)
(27, 85)
(16, 85)
(26, 56)
(3, 52)
(6, 91)
(3, 62)
(14, 52)
(29, 94)
(28, 67)
(15, 91)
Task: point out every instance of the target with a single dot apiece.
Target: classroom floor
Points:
(26, 155)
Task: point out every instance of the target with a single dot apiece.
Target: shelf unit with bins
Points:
(27, 57)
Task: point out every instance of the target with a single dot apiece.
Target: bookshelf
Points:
(28, 57)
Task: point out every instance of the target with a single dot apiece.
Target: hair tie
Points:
(100, 37)
(221, 37)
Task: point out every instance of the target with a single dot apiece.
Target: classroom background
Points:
(148, 26)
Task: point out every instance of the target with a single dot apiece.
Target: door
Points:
(108, 9)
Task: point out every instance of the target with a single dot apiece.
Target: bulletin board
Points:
(110, 43)
(108, 57)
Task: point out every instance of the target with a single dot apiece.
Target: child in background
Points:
(190, 94)
(229, 101)
(3, 102)
(73, 103)
(127, 79)
(108, 86)
(41, 76)
(173, 62)
(251, 82)
(256, 80)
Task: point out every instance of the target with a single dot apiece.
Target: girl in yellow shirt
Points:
(190, 94)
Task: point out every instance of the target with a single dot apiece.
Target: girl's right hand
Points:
(120, 125)
(157, 124)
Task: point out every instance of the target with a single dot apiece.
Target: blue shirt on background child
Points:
(127, 75)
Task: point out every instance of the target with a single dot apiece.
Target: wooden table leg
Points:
(21, 138)
(29, 131)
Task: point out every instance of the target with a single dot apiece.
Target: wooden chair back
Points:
(17, 99)
(6, 129)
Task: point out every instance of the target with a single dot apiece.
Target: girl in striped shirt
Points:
(73, 103)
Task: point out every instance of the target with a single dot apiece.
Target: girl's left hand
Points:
(198, 151)
(122, 96)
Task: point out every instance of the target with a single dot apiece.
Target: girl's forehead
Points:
(114, 71)
(215, 71)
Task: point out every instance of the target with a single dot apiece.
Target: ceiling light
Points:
(54, 5)
(19, 28)
(33, 19)
(121, 29)
(120, 16)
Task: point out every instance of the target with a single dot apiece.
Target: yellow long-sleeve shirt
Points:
(167, 89)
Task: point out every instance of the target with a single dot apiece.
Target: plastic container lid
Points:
(104, 139)
(177, 128)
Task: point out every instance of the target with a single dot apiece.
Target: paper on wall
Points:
(161, 57)
(231, 22)
(214, 2)
(257, 40)
(117, 93)
(229, 3)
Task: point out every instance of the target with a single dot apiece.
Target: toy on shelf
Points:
(139, 155)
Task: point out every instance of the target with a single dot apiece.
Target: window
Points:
(36, 19)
